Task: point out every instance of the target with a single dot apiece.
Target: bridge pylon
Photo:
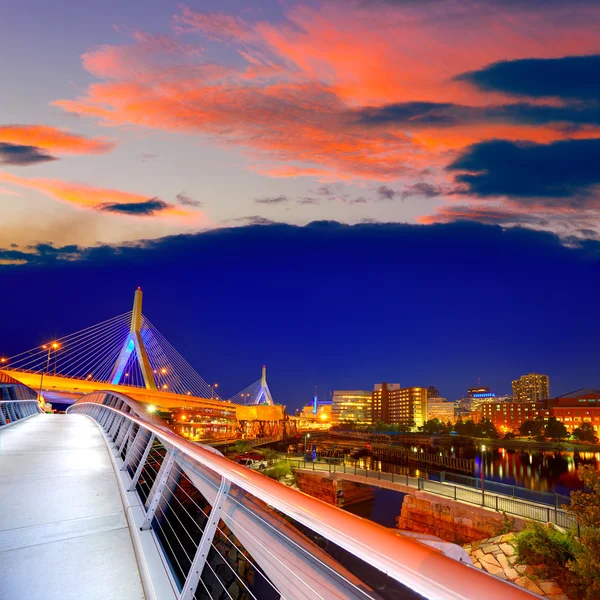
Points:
(134, 342)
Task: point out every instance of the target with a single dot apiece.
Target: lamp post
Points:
(483, 449)
(245, 397)
(306, 437)
(212, 390)
(49, 347)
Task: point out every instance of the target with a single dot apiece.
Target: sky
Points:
(386, 189)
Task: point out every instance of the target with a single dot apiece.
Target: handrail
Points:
(13, 411)
(415, 565)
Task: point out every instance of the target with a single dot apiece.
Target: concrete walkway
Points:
(63, 531)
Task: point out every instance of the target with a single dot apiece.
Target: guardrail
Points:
(504, 489)
(220, 530)
(495, 501)
(12, 411)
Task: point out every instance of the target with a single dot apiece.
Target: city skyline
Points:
(229, 303)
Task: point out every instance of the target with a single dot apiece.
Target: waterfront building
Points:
(531, 388)
(575, 408)
(509, 416)
(317, 409)
(351, 406)
(440, 409)
(395, 404)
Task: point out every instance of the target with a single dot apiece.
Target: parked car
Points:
(253, 463)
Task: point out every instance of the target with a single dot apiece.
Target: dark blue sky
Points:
(334, 305)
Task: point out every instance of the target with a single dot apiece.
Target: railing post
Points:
(125, 437)
(195, 573)
(496, 503)
(454, 492)
(159, 485)
(139, 468)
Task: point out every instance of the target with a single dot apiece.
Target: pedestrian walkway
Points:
(63, 531)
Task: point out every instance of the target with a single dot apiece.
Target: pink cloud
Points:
(54, 139)
(89, 197)
(289, 102)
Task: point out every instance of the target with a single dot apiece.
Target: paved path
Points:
(63, 531)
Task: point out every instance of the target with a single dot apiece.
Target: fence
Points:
(207, 514)
(515, 491)
(496, 501)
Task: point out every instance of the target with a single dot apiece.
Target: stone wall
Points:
(326, 489)
(450, 520)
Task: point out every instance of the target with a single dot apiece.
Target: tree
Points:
(555, 430)
(585, 506)
(531, 428)
(433, 426)
(585, 433)
(486, 429)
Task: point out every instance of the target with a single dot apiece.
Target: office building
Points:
(440, 409)
(394, 404)
(351, 406)
(531, 388)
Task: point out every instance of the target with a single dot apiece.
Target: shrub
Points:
(545, 545)
(281, 470)
(269, 454)
(242, 446)
(585, 579)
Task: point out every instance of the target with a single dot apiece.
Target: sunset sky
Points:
(348, 190)
(133, 120)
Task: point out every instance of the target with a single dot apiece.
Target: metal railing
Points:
(504, 489)
(496, 501)
(225, 531)
(12, 411)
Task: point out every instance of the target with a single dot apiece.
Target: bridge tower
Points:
(264, 396)
(134, 342)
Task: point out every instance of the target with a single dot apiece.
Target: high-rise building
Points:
(351, 406)
(440, 409)
(395, 404)
(381, 401)
(479, 392)
(531, 388)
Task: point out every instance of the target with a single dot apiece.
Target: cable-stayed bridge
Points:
(128, 355)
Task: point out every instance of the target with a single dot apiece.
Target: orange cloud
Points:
(301, 80)
(89, 197)
(60, 141)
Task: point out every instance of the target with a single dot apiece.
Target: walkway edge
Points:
(154, 573)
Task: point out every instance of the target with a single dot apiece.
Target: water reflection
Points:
(546, 471)
(542, 470)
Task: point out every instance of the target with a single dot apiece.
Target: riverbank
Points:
(527, 444)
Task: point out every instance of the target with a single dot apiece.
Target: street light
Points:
(306, 437)
(245, 397)
(212, 389)
(51, 346)
(483, 449)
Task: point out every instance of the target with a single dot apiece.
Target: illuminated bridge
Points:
(108, 502)
(128, 355)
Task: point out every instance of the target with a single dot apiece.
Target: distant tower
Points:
(264, 394)
(134, 342)
(315, 402)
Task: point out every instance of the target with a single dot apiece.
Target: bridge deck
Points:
(63, 531)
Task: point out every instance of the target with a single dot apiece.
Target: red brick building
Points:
(508, 416)
(575, 408)
(571, 409)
